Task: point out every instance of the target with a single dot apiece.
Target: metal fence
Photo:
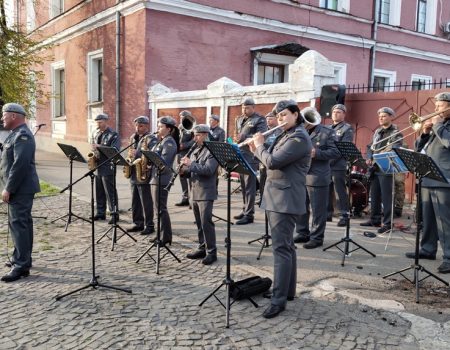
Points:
(407, 86)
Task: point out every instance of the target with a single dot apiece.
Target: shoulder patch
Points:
(296, 139)
(23, 137)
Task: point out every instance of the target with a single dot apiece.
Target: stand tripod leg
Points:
(221, 219)
(211, 294)
(146, 252)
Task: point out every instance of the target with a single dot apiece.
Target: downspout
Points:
(118, 34)
(374, 38)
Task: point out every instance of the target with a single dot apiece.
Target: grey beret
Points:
(186, 113)
(283, 104)
(443, 96)
(339, 106)
(14, 108)
(215, 117)
(201, 128)
(102, 116)
(387, 110)
(248, 102)
(167, 121)
(142, 120)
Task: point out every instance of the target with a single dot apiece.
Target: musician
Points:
(216, 133)
(167, 147)
(344, 132)
(248, 124)
(104, 179)
(201, 168)
(141, 199)
(317, 184)
(435, 142)
(18, 183)
(381, 185)
(287, 161)
(186, 142)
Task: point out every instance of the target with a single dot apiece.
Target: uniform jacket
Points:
(287, 162)
(17, 166)
(437, 146)
(186, 141)
(202, 172)
(344, 132)
(246, 128)
(217, 134)
(108, 138)
(150, 141)
(322, 139)
(167, 150)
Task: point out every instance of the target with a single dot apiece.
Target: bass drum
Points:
(359, 196)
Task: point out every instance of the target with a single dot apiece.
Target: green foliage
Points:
(47, 189)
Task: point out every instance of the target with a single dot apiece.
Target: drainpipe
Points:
(376, 6)
(118, 34)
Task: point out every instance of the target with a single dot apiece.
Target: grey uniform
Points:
(262, 169)
(167, 149)
(436, 195)
(186, 142)
(246, 127)
(141, 199)
(287, 162)
(381, 184)
(202, 173)
(104, 179)
(217, 134)
(317, 184)
(344, 132)
(18, 176)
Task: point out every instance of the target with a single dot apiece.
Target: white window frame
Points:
(342, 6)
(271, 58)
(92, 78)
(31, 15)
(391, 77)
(55, 7)
(341, 72)
(56, 67)
(428, 80)
(431, 15)
(395, 11)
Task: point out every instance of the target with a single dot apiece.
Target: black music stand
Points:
(352, 156)
(421, 166)
(230, 158)
(74, 155)
(160, 165)
(116, 159)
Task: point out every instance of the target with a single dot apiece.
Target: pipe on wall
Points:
(118, 35)
(376, 6)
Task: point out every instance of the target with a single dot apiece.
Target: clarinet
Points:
(174, 176)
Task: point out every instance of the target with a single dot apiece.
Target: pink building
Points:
(107, 54)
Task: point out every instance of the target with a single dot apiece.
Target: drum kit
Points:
(359, 190)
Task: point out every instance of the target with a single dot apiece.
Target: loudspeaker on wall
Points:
(331, 95)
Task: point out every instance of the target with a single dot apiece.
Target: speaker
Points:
(331, 95)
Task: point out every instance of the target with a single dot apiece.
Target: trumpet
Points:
(249, 141)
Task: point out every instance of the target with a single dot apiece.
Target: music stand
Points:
(229, 158)
(160, 165)
(73, 155)
(352, 156)
(421, 166)
(116, 159)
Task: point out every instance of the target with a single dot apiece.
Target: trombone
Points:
(415, 122)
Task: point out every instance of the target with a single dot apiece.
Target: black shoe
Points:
(183, 203)
(342, 222)
(412, 255)
(268, 295)
(384, 229)
(147, 231)
(135, 228)
(8, 264)
(240, 216)
(272, 311)
(112, 221)
(444, 267)
(209, 259)
(301, 239)
(245, 220)
(312, 244)
(330, 218)
(370, 223)
(15, 275)
(198, 254)
(98, 217)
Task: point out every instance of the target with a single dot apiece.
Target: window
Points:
(336, 5)
(383, 15)
(421, 82)
(58, 90)
(56, 7)
(271, 68)
(31, 15)
(330, 4)
(340, 72)
(384, 80)
(270, 73)
(389, 12)
(426, 16)
(421, 15)
(95, 76)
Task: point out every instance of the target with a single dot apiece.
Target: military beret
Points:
(248, 102)
(387, 110)
(271, 114)
(443, 96)
(283, 104)
(215, 117)
(14, 108)
(199, 128)
(339, 106)
(185, 113)
(102, 116)
(167, 121)
(142, 120)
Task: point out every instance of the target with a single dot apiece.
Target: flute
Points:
(248, 141)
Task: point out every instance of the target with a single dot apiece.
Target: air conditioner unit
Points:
(446, 28)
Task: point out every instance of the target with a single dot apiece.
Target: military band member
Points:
(317, 186)
(216, 133)
(201, 168)
(167, 147)
(186, 142)
(104, 179)
(141, 199)
(246, 126)
(381, 184)
(344, 132)
(19, 183)
(435, 142)
(287, 161)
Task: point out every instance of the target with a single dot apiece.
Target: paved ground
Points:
(336, 307)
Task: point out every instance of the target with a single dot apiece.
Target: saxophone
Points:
(130, 156)
(141, 164)
(92, 157)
